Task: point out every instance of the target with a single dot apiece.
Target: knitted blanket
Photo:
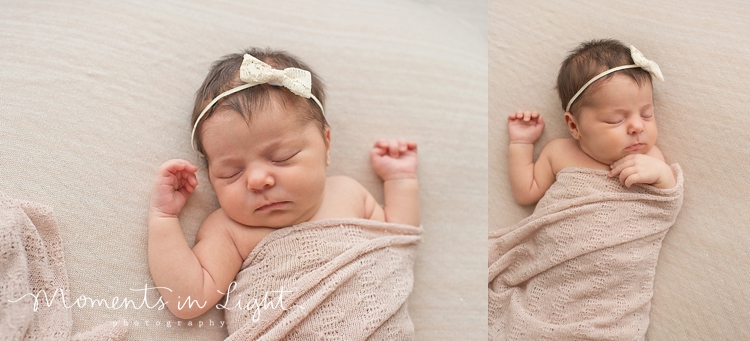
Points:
(582, 266)
(340, 279)
(32, 264)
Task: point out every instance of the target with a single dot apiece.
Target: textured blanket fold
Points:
(582, 266)
(340, 279)
(32, 263)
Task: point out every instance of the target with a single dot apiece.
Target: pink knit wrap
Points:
(340, 279)
(32, 265)
(582, 266)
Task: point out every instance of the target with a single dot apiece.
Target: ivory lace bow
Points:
(649, 65)
(254, 72)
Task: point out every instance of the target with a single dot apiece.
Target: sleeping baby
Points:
(609, 112)
(582, 266)
(320, 245)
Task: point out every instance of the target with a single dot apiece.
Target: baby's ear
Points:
(572, 124)
(328, 145)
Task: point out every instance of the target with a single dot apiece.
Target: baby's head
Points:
(225, 75)
(613, 115)
(266, 146)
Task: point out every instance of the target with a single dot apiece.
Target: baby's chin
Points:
(276, 221)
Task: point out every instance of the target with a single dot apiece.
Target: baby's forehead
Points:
(617, 85)
(264, 125)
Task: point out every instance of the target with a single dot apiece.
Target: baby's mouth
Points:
(634, 147)
(272, 206)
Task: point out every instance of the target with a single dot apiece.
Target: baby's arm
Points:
(647, 168)
(396, 163)
(182, 274)
(529, 181)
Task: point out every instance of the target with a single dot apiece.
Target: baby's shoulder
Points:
(345, 198)
(216, 225)
(233, 235)
(558, 147)
(342, 185)
(560, 144)
(216, 222)
(562, 153)
(343, 182)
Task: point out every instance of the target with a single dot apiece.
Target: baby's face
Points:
(618, 121)
(269, 173)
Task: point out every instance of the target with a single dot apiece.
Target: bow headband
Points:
(640, 62)
(254, 72)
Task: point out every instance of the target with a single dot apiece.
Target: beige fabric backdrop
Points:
(94, 96)
(702, 287)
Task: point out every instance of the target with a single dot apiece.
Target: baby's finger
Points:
(402, 146)
(393, 148)
(176, 183)
(190, 167)
(411, 145)
(172, 167)
(186, 164)
(620, 164)
(381, 147)
(613, 172)
(616, 169)
(377, 151)
(628, 173)
(191, 184)
(621, 160)
(633, 179)
(176, 166)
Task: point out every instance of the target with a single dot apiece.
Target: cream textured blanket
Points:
(32, 270)
(341, 279)
(582, 266)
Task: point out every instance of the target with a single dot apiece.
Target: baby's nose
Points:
(258, 179)
(635, 125)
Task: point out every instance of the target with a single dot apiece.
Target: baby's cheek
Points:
(307, 179)
(653, 132)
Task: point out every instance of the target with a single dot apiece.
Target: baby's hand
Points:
(525, 127)
(394, 159)
(643, 169)
(175, 181)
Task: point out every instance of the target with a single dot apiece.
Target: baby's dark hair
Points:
(587, 61)
(225, 75)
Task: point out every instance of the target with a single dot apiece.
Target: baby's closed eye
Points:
(228, 174)
(614, 119)
(285, 156)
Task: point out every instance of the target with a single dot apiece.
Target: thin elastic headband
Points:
(640, 62)
(254, 72)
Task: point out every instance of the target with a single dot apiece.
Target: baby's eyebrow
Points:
(282, 142)
(616, 111)
(275, 144)
(223, 162)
